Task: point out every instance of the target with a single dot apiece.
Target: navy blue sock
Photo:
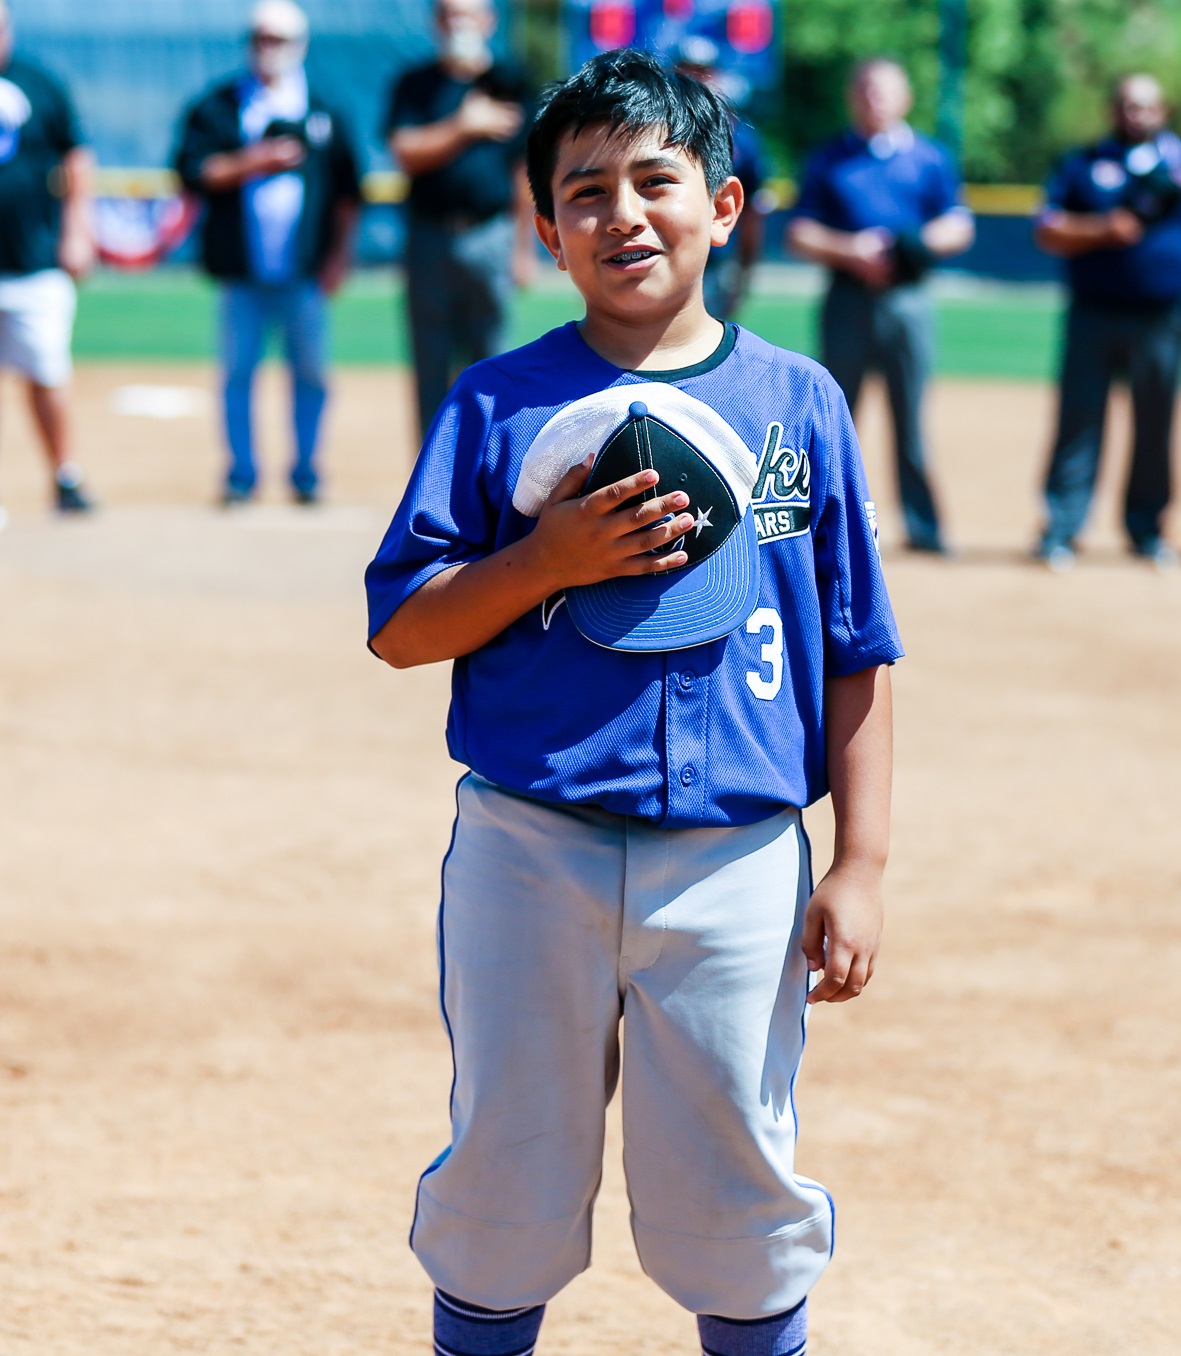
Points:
(783, 1334)
(463, 1329)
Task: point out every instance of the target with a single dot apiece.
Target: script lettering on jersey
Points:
(781, 498)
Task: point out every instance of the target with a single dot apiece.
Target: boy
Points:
(628, 842)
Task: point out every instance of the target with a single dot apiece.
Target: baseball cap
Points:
(635, 427)
(279, 18)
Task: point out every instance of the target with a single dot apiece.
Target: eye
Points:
(587, 191)
(658, 181)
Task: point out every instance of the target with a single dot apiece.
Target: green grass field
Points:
(172, 315)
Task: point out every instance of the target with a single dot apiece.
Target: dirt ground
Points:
(221, 1068)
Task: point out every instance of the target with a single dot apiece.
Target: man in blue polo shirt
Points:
(1113, 211)
(876, 206)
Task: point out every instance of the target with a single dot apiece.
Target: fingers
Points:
(611, 498)
(812, 938)
(846, 973)
(570, 485)
(844, 963)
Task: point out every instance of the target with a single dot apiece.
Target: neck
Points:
(686, 338)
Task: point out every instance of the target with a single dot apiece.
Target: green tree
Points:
(1038, 79)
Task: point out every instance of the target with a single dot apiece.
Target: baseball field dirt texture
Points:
(221, 821)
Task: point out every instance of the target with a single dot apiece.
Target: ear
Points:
(728, 202)
(548, 233)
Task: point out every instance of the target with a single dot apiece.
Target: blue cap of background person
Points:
(636, 427)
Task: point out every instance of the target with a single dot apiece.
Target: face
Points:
(1139, 108)
(634, 222)
(464, 16)
(879, 97)
(272, 54)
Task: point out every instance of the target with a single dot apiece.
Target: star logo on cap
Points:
(702, 520)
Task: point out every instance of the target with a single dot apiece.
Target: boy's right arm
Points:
(579, 539)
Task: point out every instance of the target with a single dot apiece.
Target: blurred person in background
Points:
(728, 270)
(277, 171)
(45, 243)
(1113, 212)
(877, 206)
(457, 129)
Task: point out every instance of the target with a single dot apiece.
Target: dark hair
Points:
(629, 91)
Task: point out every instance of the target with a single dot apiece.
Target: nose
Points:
(627, 211)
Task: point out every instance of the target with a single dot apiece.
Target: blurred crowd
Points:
(276, 169)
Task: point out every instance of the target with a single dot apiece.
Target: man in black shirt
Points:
(457, 128)
(45, 243)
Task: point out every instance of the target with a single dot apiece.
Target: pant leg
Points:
(529, 932)
(1153, 358)
(304, 319)
(482, 259)
(714, 1015)
(903, 351)
(430, 284)
(846, 334)
(243, 333)
(1089, 357)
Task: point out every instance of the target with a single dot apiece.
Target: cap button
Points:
(637, 409)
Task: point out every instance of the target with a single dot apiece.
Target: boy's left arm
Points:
(843, 920)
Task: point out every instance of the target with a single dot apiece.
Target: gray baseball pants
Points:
(556, 925)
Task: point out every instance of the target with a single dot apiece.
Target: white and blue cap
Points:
(638, 427)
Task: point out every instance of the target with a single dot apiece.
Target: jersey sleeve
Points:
(404, 107)
(943, 188)
(63, 129)
(200, 137)
(859, 627)
(446, 516)
(1059, 196)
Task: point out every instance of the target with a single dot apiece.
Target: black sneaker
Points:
(72, 498)
(307, 496)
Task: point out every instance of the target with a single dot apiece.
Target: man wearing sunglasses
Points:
(278, 174)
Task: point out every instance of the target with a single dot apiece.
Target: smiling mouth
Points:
(635, 256)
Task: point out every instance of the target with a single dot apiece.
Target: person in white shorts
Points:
(45, 243)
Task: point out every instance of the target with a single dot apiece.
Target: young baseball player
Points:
(646, 542)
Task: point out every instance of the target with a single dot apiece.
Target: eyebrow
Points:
(594, 171)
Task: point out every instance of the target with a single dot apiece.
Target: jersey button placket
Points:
(686, 718)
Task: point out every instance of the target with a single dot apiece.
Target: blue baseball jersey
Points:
(897, 180)
(1097, 179)
(724, 733)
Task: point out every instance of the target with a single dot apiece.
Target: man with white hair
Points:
(877, 206)
(45, 243)
(278, 174)
(457, 127)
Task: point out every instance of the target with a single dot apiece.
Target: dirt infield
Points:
(221, 1069)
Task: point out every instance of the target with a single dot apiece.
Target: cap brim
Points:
(678, 610)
